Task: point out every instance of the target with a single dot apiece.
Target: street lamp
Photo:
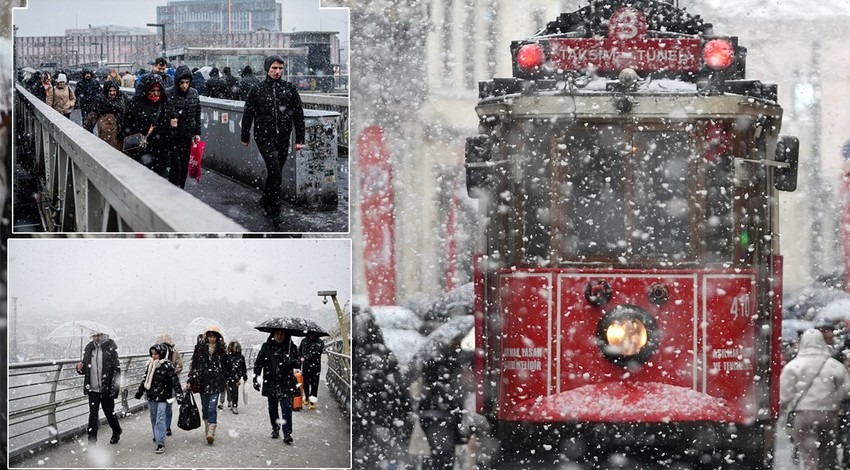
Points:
(343, 331)
(160, 25)
(101, 50)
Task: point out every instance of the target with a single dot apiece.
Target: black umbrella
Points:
(293, 325)
(438, 344)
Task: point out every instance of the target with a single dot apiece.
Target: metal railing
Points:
(92, 187)
(338, 376)
(337, 104)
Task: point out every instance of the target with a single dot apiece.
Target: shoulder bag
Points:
(189, 417)
(792, 413)
(134, 144)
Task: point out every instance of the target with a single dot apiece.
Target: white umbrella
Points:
(836, 310)
(199, 324)
(82, 329)
(205, 71)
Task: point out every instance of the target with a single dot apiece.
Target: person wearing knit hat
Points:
(160, 385)
(61, 97)
(208, 371)
(277, 107)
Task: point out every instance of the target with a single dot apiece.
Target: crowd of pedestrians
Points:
(164, 114)
(214, 369)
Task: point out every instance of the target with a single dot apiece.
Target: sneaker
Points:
(287, 438)
(168, 432)
(234, 410)
(275, 434)
(116, 436)
(221, 406)
(312, 406)
(160, 449)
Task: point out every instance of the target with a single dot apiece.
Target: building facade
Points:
(221, 16)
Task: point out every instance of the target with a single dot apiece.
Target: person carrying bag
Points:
(189, 417)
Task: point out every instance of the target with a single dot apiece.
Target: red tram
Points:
(629, 295)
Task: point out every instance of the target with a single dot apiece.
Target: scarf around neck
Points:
(152, 367)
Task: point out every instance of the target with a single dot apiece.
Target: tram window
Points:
(538, 218)
(595, 190)
(661, 210)
(719, 202)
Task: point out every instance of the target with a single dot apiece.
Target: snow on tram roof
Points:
(800, 9)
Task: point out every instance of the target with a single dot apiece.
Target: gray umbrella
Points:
(454, 332)
(293, 325)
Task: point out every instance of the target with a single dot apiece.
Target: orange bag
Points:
(298, 400)
(195, 157)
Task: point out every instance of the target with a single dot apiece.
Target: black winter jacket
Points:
(236, 368)
(141, 113)
(186, 105)
(274, 108)
(211, 370)
(111, 368)
(217, 88)
(165, 383)
(247, 82)
(104, 105)
(87, 92)
(311, 350)
(277, 363)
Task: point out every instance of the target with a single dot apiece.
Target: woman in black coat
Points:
(107, 111)
(209, 370)
(149, 113)
(186, 103)
(277, 361)
(159, 384)
(237, 373)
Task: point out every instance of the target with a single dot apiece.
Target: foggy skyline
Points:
(68, 275)
(53, 17)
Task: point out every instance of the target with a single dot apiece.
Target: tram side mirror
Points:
(478, 155)
(787, 151)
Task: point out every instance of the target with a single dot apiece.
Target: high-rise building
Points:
(220, 16)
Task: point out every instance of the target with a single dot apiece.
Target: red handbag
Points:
(195, 157)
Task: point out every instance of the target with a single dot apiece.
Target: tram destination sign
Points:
(626, 46)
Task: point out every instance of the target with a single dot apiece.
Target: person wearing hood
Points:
(176, 359)
(232, 83)
(216, 86)
(811, 388)
(274, 110)
(150, 114)
(198, 81)
(187, 104)
(276, 362)
(209, 370)
(160, 385)
(237, 374)
(107, 112)
(88, 90)
(61, 97)
(36, 87)
(101, 369)
(247, 82)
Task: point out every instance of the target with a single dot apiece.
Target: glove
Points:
(139, 394)
(256, 385)
(180, 399)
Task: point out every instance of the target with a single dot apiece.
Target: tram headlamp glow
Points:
(718, 54)
(530, 56)
(627, 335)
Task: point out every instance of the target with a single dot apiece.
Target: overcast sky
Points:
(62, 273)
(53, 17)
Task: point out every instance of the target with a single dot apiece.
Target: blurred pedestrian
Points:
(61, 97)
(248, 81)
(36, 87)
(187, 105)
(310, 350)
(812, 386)
(274, 110)
(216, 86)
(107, 111)
(232, 83)
(237, 374)
(149, 113)
(159, 67)
(87, 90)
(441, 403)
(142, 73)
(199, 82)
(113, 77)
(208, 368)
(176, 359)
(102, 370)
(128, 80)
(276, 362)
(159, 385)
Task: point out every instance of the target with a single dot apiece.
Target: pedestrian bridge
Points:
(48, 415)
(68, 180)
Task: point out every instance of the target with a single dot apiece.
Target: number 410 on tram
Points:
(629, 295)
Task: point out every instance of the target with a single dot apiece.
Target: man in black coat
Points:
(232, 84)
(187, 105)
(276, 361)
(310, 350)
(216, 86)
(87, 91)
(274, 109)
(101, 368)
(247, 82)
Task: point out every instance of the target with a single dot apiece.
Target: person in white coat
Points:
(812, 386)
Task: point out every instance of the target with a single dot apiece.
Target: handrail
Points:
(338, 378)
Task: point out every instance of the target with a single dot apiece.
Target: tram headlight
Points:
(530, 57)
(627, 335)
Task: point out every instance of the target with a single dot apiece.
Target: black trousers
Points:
(274, 155)
(96, 401)
(233, 393)
(311, 385)
(178, 161)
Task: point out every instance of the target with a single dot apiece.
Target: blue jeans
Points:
(157, 409)
(209, 402)
(285, 418)
(168, 415)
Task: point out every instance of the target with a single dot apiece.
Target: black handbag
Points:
(135, 143)
(189, 417)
